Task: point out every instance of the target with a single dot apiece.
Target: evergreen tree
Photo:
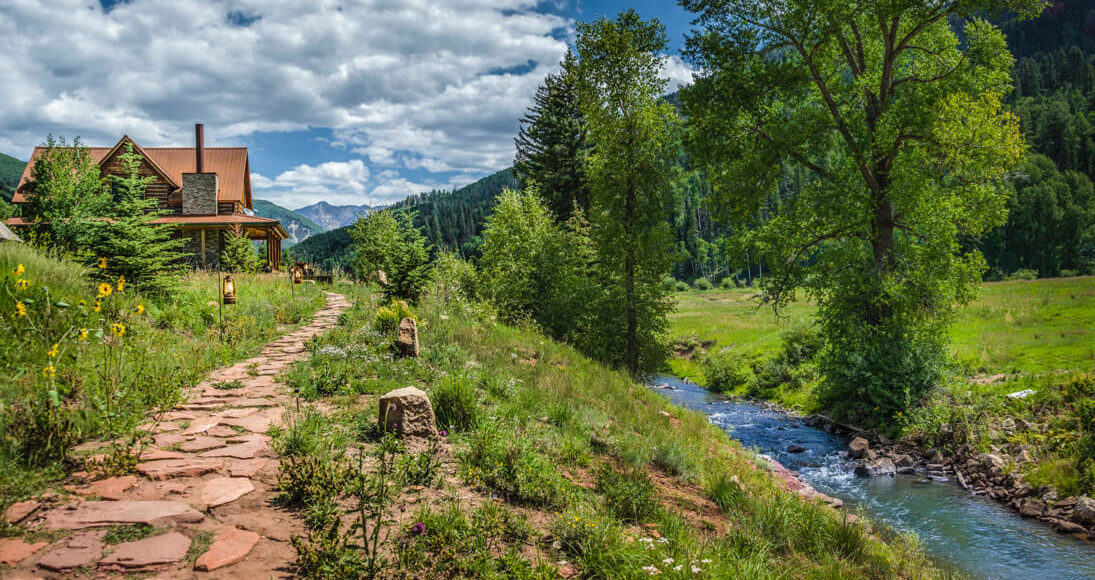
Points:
(239, 253)
(631, 132)
(551, 144)
(134, 247)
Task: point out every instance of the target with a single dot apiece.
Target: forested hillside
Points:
(299, 227)
(332, 217)
(11, 169)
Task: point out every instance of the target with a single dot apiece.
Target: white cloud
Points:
(678, 72)
(409, 85)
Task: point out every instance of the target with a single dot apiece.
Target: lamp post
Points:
(228, 290)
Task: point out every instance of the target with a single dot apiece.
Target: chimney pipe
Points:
(199, 147)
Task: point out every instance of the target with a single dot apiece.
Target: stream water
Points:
(971, 534)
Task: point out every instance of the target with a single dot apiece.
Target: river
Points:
(969, 533)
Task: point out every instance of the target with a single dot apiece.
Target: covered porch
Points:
(205, 236)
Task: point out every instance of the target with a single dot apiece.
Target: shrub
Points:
(727, 283)
(306, 480)
(727, 369)
(726, 491)
(389, 317)
(672, 458)
(454, 403)
(1024, 274)
(1069, 273)
(507, 464)
(630, 496)
(680, 286)
(702, 284)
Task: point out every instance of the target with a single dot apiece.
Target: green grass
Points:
(104, 383)
(580, 451)
(1019, 326)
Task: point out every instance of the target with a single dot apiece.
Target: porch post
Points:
(203, 248)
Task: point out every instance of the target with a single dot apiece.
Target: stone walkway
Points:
(208, 483)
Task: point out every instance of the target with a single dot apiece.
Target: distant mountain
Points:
(11, 169)
(332, 217)
(450, 219)
(299, 227)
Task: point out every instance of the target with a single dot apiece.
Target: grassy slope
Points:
(541, 425)
(1019, 326)
(168, 347)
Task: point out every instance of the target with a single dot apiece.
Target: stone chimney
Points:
(199, 189)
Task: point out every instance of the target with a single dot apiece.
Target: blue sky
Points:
(345, 101)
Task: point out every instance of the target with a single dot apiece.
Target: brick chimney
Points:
(199, 189)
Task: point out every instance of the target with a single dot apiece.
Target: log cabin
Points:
(202, 192)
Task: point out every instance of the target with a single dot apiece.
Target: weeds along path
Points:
(200, 502)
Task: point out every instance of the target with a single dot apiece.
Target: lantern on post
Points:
(298, 275)
(228, 290)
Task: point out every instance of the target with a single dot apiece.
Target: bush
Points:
(726, 491)
(629, 496)
(309, 479)
(728, 369)
(727, 283)
(389, 317)
(702, 284)
(1023, 274)
(1069, 273)
(680, 286)
(507, 464)
(454, 403)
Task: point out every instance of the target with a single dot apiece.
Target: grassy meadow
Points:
(85, 359)
(1022, 326)
(549, 464)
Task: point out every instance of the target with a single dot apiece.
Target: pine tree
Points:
(239, 253)
(551, 145)
(134, 247)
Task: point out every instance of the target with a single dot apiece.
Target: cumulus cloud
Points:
(408, 85)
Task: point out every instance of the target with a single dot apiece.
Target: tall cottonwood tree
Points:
(65, 192)
(551, 144)
(899, 125)
(632, 135)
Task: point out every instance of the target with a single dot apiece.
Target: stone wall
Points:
(199, 194)
(193, 247)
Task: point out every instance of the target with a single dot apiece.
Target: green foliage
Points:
(298, 226)
(702, 284)
(875, 145)
(11, 170)
(632, 135)
(551, 145)
(388, 317)
(728, 369)
(503, 462)
(239, 253)
(134, 247)
(454, 403)
(388, 241)
(629, 496)
(64, 192)
(305, 480)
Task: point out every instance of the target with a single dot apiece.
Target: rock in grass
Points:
(408, 338)
(1084, 512)
(408, 412)
(857, 449)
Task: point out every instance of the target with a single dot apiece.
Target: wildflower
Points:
(139, 309)
(98, 305)
(652, 570)
(105, 290)
(21, 284)
(82, 335)
(19, 270)
(667, 561)
(49, 371)
(117, 329)
(20, 309)
(102, 263)
(678, 567)
(705, 561)
(53, 351)
(121, 283)
(444, 433)
(696, 569)
(419, 528)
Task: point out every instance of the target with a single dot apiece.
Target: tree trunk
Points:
(882, 237)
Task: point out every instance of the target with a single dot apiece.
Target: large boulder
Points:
(904, 460)
(408, 338)
(876, 468)
(991, 463)
(1084, 511)
(857, 449)
(408, 412)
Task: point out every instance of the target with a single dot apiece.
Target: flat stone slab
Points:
(77, 551)
(94, 514)
(221, 431)
(246, 467)
(111, 488)
(236, 413)
(201, 425)
(155, 490)
(169, 439)
(19, 511)
(171, 468)
(159, 454)
(155, 551)
(231, 546)
(202, 443)
(246, 450)
(14, 550)
(258, 422)
(179, 416)
(222, 490)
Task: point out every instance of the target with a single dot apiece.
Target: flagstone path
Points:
(207, 484)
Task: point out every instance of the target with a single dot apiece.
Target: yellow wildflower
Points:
(139, 309)
(49, 371)
(98, 305)
(54, 351)
(102, 263)
(121, 283)
(21, 284)
(83, 304)
(82, 335)
(19, 270)
(20, 309)
(117, 329)
(105, 290)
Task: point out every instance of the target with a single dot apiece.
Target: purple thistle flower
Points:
(444, 433)
(419, 528)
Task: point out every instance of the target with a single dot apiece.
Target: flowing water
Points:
(969, 533)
